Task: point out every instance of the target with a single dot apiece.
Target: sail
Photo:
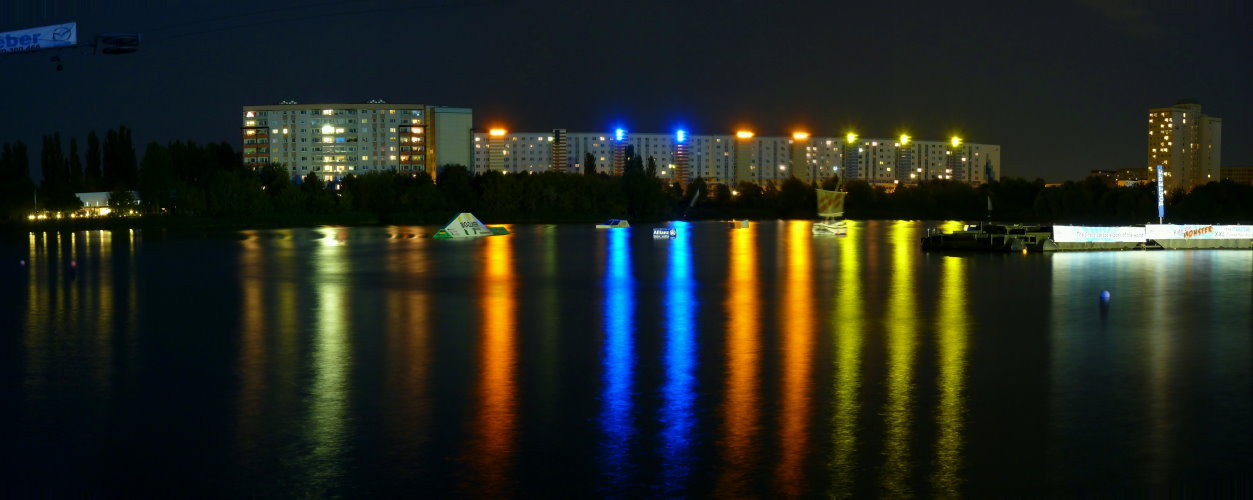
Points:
(831, 203)
(465, 225)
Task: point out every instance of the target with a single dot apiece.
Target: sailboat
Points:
(831, 206)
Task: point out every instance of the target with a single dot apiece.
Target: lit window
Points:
(328, 112)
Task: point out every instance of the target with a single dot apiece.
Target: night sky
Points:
(1063, 87)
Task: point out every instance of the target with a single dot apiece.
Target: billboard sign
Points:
(1197, 232)
(1098, 234)
(45, 37)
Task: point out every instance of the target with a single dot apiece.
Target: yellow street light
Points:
(850, 138)
(905, 139)
(956, 141)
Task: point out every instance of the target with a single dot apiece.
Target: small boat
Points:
(613, 224)
(738, 224)
(830, 207)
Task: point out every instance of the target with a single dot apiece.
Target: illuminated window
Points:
(393, 157)
(328, 112)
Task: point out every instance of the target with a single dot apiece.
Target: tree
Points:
(652, 167)
(91, 177)
(56, 191)
(156, 180)
(111, 175)
(76, 168)
(589, 164)
(16, 188)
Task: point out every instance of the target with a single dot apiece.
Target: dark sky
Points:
(1063, 86)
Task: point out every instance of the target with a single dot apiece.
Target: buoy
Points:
(1104, 295)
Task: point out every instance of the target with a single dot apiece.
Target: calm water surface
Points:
(570, 361)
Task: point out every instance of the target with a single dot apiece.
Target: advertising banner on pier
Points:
(1098, 234)
(1197, 232)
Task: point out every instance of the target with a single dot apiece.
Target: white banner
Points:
(45, 37)
(1197, 232)
(1098, 234)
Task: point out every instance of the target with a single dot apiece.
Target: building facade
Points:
(1186, 143)
(1242, 175)
(334, 140)
(732, 158)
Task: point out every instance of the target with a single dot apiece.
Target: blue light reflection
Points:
(618, 361)
(680, 357)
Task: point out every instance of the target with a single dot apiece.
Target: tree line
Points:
(102, 166)
(210, 180)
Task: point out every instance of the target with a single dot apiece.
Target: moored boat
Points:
(613, 224)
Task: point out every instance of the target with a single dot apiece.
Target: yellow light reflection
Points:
(497, 412)
(741, 403)
(798, 339)
(953, 327)
(332, 358)
(408, 339)
(848, 328)
(252, 349)
(900, 322)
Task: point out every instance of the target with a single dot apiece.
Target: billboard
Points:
(1197, 232)
(1098, 234)
(45, 37)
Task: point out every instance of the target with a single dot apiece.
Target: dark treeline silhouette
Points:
(1093, 200)
(110, 166)
(186, 179)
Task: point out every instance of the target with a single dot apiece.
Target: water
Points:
(573, 361)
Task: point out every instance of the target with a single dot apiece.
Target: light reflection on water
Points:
(618, 360)
(730, 363)
(741, 405)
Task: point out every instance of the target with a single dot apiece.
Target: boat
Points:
(831, 209)
(613, 224)
(738, 224)
(992, 238)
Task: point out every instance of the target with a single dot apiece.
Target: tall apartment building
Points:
(727, 159)
(1186, 143)
(339, 139)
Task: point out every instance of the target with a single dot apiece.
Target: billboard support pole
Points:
(1161, 197)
